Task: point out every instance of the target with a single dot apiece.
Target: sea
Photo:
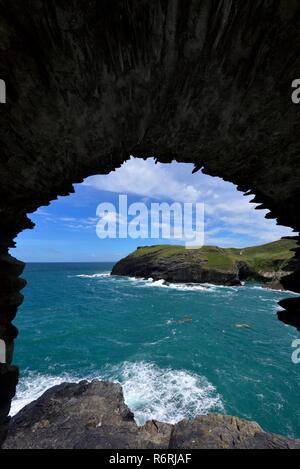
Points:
(177, 350)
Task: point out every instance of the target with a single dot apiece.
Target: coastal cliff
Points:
(95, 416)
(267, 264)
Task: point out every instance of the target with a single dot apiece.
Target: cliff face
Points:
(269, 264)
(173, 269)
(94, 416)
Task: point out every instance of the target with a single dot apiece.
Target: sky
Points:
(65, 230)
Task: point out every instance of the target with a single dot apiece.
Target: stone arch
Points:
(89, 84)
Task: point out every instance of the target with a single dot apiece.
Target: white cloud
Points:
(229, 215)
(230, 218)
(146, 179)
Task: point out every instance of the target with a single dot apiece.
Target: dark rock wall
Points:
(90, 83)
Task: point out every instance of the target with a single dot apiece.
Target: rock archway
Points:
(90, 83)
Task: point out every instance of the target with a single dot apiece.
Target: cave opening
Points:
(77, 334)
(92, 84)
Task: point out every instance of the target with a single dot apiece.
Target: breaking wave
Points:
(151, 392)
(102, 275)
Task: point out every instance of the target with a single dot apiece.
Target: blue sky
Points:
(66, 230)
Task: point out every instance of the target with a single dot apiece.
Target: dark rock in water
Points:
(243, 326)
(292, 316)
(185, 320)
(94, 416)
(274, 285)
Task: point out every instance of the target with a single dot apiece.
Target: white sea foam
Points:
(165, 394)
(208, 287)
(102, 275)
(33, 386)
(183, 286)
(173, 286)
(203, 287)
(150, 392)
(288, 292)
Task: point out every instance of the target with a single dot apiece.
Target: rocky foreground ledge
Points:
(95, 416)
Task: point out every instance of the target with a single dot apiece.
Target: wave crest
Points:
(166, 394)
(151, 392)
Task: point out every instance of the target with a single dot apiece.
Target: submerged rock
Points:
(95, 416)
(243, 326)
(185, 320)
(274, 284)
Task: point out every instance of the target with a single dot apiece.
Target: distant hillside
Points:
(211, 264)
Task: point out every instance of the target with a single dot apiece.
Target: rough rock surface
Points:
(225, 432)
(83, 416)
(94, 415)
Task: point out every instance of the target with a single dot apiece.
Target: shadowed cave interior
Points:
(88, 85)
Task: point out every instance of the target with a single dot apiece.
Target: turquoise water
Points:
(176, 350)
